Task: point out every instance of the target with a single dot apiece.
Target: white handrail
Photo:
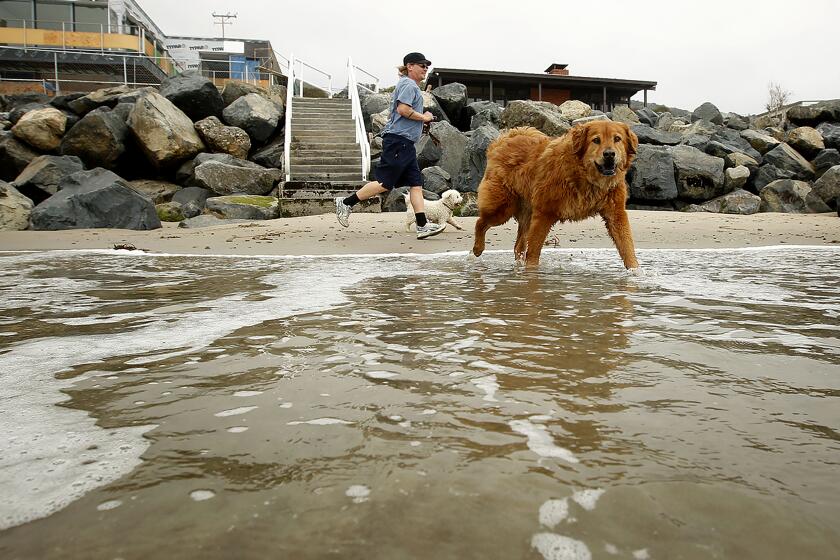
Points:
(358, 117)
(375, 80)
(290, 93)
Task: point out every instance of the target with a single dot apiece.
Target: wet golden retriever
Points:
(541, 180)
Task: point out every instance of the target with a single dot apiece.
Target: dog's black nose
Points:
(609, 154)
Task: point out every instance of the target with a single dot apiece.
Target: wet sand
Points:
(385, 233)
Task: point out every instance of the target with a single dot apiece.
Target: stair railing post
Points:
(287, 140)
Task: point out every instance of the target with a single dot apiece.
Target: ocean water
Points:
(407, 406)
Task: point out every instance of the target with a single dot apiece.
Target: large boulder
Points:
(543, 116)
(170, 212)
(830, 134)
(255, 115)
(395, 200)
(98, 139)
(40, 179)
(105, 97)
(430, 104)
(452, 99)
(436, 180)
(94, 199)
(732, 141)
(762, 143)
(245, 207)
(647, 116)
(165, 134)
(15, 208)
(624, 114)
(736, 122)
(18, 112)
(158, 192)
(648, 135)
(736, 177)
(483, 113)
(428, 151)
(42, 129)
(827, 187)
(699, 176)
(14, 156)
(812, 115)
(378, 122)
(475, 159)
(193, 94)
(736, 202)
(373, 104)
(806, 140)
(224, 139)
(452, 144)
(737, 158)
(192, 200)
(234, 89)
(651, 175)
(825, 160)
(271, 155)
(230, 175)
(788, 195)
(788, 160)
(707, 112)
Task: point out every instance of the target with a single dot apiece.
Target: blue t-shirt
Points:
(406, 91)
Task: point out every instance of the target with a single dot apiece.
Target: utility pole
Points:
(223, 20)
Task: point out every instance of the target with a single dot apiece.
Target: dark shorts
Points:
(398, 163)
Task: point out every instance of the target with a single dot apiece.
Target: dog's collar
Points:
(445, 204)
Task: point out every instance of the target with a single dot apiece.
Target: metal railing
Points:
(287, 141)
(375, 80)
(358, 118)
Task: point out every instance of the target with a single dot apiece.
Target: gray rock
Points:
(42, 128)
(40, 179)
(469, 205)
(255, 115)
(543, 116)
(767, 173)
(736, 122)
(590, 118)
(374, 103)
(272, 155)
(572, 110)
(234, 89)
(483, 113)
(170, 212)
(452, 145)
(159, 192)
(15, 208)
(734, 142)
(648, 116)
(223, 139)
(94, 199)
(436, 180)
(14, 156)
(786, 159)
(195, 196)
(665, 121)
(736, 202)
(18, 112)
(737, 158)
(651, 176)
(736, 177)
(762, 143)
(701, 127)
(830, 134)
(623, 113)
(827, 187)
(378, 122)
(648, 135)
(193, 94)
(699, 176)
(428, 151)
(165, 134)
(185, 175)
(825, 160)
(452, 99)
(105, 97)
(812, 115)
(234, 176)
(62, 102)
(98, 139)
(806, 140)
(707, 112)
(245, 207)
(475, 159)
(787, 195)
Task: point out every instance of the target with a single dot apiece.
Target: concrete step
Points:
(315, 205)
(309, 109)
(321, 145)
(308, 169)
(307, 120)
(354, 160)
(328, 152)
(326, 177)
(321, 101)
(339, 126)
(327, 133)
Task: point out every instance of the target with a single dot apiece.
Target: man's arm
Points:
(407, 112)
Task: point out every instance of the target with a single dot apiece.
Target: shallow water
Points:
(420, 406)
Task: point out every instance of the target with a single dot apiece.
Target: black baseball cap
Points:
(416, 58)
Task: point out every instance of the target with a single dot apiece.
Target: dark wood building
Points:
(555, 86)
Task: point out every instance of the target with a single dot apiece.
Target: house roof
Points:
(571, 81)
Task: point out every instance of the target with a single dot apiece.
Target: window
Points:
(91, 18)
(51, 15)
(12, 12)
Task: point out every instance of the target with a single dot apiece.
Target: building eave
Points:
(454, 73)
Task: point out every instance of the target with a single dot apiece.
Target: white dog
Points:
(437, 211)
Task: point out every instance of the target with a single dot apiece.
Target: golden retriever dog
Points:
(541, 180)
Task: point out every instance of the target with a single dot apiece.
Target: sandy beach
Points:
(385, 233)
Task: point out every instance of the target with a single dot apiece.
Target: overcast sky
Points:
(723, 51)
